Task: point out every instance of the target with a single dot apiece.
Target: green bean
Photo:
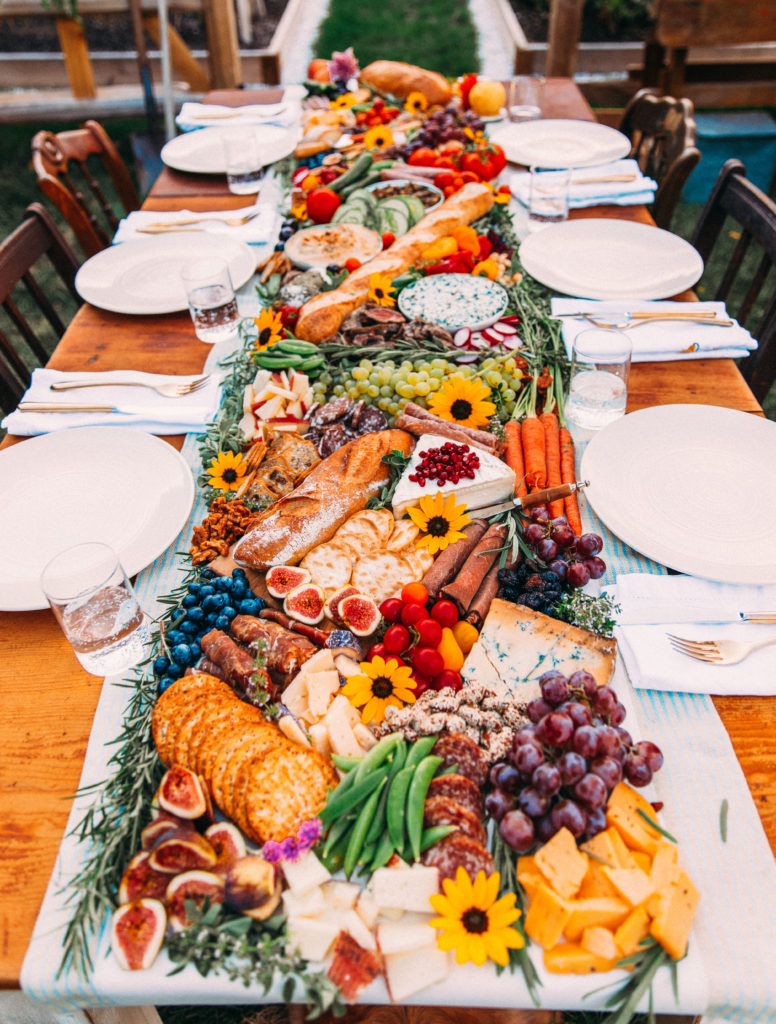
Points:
(382, 854)
(379, 753)
(416, 799)
(360, 829)
(420, 749)
(340, 803)
(397, 803)
(432, 835)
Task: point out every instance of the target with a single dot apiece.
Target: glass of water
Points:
(96, 607)
(523, 98)
(600, 365)
(212, 304)
(548, 201)
(244, 170)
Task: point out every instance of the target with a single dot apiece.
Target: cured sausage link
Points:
(485, 439)
(449, 562)
(480, 603)
(318, 636)
(284, 651)
(421, 427)
(475, 568)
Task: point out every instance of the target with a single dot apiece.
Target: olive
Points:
(333, 268)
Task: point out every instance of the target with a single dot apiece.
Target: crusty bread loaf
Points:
(337, 488)
(323, 314)
(398, 79)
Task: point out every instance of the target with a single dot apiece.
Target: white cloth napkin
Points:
(693, 609)
(151, 412)
(207, 115)
(258, 231)
(666, 340)
(620, 193)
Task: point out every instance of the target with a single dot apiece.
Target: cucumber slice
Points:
(398, 215)
(363, 195)
(415, 206)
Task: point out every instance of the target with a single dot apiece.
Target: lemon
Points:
(487, 98)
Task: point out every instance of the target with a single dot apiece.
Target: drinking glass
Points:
(523, 99)
(211, 300)
(600, 364)
(244, 170)
(96, 607)
(548, 201)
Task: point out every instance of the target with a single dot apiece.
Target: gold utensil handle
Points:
(602, 178)
(167, 228)
(758, 616)
(680, 314)
(62, 407)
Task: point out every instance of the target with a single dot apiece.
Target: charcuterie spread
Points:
(382, 711)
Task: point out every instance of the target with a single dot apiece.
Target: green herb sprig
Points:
(595, 614)
(646, 963)
(397, 462)
(504, 863)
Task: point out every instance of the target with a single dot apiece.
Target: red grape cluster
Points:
(565, 762)
(450, 463)
(445, 126)
(574, 559)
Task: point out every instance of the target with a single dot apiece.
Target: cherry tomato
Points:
(422, 683)
(377, 651)
(448, 190)
(414, 593)
(479, 162)
(396, 639)
(429, 633)
(423, 157)
(469, 176)
(321, 204)
(391, 609)
(289, 316)
(445, 163)
(447, 678)
(388, 238)
(351, 264)
(411, 614)
(445, 612)
(427, 661)
(444, 179)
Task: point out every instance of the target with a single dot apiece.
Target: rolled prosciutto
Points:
(285, 652)
(234, 663)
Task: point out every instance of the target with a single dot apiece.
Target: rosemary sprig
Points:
(504, 863)
(623, 1001)
(596, 614)
(655, 825)
(723, 820)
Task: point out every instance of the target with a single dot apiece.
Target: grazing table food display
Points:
(382, 748)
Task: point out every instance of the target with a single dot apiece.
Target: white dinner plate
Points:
(598, 258)
(691, 486)
(555, 142)
(111, 484)
(202, 151)
(144, 277)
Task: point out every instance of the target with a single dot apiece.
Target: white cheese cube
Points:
(304, 874)
(321, 661)
(347, 666)
(364, 735)
(308, 904)
(295, 695)
(406, 890)
(339, 725)
(311, 937)
(367, 910)
(407, 973)
(290, 728)
(322, 687)
(356, 928)
(319, 738)
(402, 936)
(341, 895)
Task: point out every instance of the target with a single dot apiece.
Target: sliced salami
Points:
(442, 810)
(458, 851)
(455, 748)
(462, 790)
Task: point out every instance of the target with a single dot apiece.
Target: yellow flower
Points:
(299, 210)
(226, 470)
(378, 137)
(344, 102)
(383, 684)
(416, 103)
(474, 922)
(380, 289)
(440, 519)
(270, 328)
(463, 401)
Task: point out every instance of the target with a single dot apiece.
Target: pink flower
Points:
(343, 65)
(272, 851)
(309, 833)
(289, 849)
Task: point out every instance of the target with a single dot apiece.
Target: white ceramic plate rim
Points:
(99, 280)
(427, 284)
(76, 516)
(531, 143)
(635, 492)
(291, 245)
(575, 258)
(201, 151)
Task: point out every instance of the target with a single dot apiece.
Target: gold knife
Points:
(68, 407)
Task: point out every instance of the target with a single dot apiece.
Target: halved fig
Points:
(191, 885)
(282, 579)
(331, 607)
(228, 843)
(162, 825)
(208, 817)
(360, 614)
(140, 880)
(181, 792)
(137, 932)
(305, 603)
(253, 887)
(186, 850)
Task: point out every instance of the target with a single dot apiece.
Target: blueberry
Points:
(207, 574)
(279, 246)
(285, 233)
(240, 590)
(189, 629)
(175, 670)
(214, 602)
(224, 583)
(176, 636)
(195, 615)
(206, 591)
(161, 665)
(251, 606)
(194, 588)
(190, 601)
(239, 574)
(333, 268)
(165, 683)
(223, 623)
(229, 611)
(183, 654)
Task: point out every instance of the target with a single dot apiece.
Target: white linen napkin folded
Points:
(582, 193)
(151, 412)
(666, 340)
(211, 115)
(258, 231)
(693, 609)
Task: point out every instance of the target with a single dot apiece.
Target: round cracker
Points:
(167, 717)
(240, 716)
(330, 565)
(382, 520)
(381, 575)
(239, 736)
(255, 744)
(359, 536)
(284, 788)
(420, 560)
(405, 533)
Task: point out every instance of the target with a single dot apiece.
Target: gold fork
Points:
(233, 222)
(632, 323)
(172, 390)
(717, 652)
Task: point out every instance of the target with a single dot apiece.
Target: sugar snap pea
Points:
(382, 853)
(337, 831)
(397, 806)
(367, 853)
(432, 835)
(420, 748)
(357, 169)
(416, 798)
(345, 762)
(379, 753)
(340, 803)
(378, 826)
(360, 829)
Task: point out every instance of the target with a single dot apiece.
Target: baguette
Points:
(322, 315)
(399, 79)
(335, 489)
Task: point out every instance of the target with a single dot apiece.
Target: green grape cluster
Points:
(390, 385)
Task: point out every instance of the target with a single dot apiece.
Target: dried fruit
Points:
(186, 850)
(161, 826)
(196, 886)
(181, 792)
(305, 603)
(228, 843)
(141, 881)
(137, 932)
(253, 887)
(331, 608)
(282, 579)
(360, 614)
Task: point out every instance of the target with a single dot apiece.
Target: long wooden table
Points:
(48, 701)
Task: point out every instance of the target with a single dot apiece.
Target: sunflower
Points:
(440, 519)
(226, 470)
(383, 684)
(378, 138)
(344, 102)
(463, 401)
(270, 328)
(474, 922)
(380, 289)
(299, 210)
(416, 103)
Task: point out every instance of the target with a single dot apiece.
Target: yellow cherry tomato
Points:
(466, 635)
(452, 655)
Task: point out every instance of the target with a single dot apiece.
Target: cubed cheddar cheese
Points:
(595, 883)
(602, 847)
(622, 812)
(632, 884)
(663, 863)
(673, 920)
(607, 913)
(547, 916)
(632, 931)
(571, 958)
(562, 864)
(622, 854)
(643, 861)
(600, 942)
(528, 875)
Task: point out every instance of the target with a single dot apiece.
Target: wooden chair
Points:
(752, 260)
(662, 134)
(31, 298)
(61, 164)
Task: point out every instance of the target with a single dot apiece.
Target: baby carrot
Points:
(549, 422)
(513, 456)
(533, 452)
(568, 476)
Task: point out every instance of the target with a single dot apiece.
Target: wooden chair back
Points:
(37, 275)
(753, 259)
(61, 163)
(662, 134)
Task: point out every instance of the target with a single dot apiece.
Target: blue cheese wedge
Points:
(493, 480)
